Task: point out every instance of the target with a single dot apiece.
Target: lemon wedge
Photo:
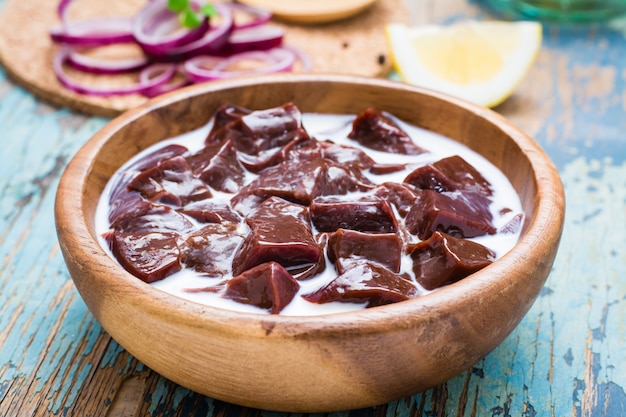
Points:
(482, 62)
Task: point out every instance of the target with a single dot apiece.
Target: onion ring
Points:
(253, 38)
(105, 66)
(152, 29)
(212, 41)
(262, 16)
(93, 32)
(277, 60)
(149, 73)
(62, 56)
(62, 11)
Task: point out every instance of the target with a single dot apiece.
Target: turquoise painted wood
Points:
(566, 358)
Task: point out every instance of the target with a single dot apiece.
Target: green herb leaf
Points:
(208, 10)
(177, 5)
(187, 16)
(189, 19)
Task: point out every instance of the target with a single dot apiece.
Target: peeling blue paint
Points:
(111, 355)
(4, 387)
(592, 215)
(568, 357)
(611, 400)
(161, 391)
(82, 374)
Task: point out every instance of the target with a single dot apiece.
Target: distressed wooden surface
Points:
(565, 359)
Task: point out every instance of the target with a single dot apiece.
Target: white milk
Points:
(336, 128)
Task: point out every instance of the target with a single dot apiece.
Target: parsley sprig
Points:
(187, 16)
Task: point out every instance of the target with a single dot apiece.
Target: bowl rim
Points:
(548, 210)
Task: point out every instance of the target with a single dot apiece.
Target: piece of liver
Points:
(365, 214)
(346, 155)
(148, 256)
(449, 174)
(401, 196)
(300, 149)
(365, 283)
(280, 231)
(268, 286)
(224, 115)
(211, 250)
(170, 182)
(463, 215)
(347, 248)
(210, 211)
(300, 182)
(222, 171)
(260, 130)
(152, 159)
(143, 217)
(444, 259)
(374, 130)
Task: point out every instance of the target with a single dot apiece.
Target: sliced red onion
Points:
(105, 66)
(212, 41)
(269, 57)
(73, 85)
(210, 51)
(156, 29)
(261, 16)
(149, 73)
(93, 32)
(253, 38)
(275, 60)
(62, 11)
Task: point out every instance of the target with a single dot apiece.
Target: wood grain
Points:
(351, 46)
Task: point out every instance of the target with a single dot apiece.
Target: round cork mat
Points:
(355, 46)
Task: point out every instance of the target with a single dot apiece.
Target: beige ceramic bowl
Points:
(325, 363)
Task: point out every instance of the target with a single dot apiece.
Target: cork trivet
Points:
(353, 46)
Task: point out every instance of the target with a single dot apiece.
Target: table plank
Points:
(565, 358)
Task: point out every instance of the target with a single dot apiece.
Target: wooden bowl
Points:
(322, 363)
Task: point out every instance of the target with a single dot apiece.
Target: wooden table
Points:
(567, 357)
